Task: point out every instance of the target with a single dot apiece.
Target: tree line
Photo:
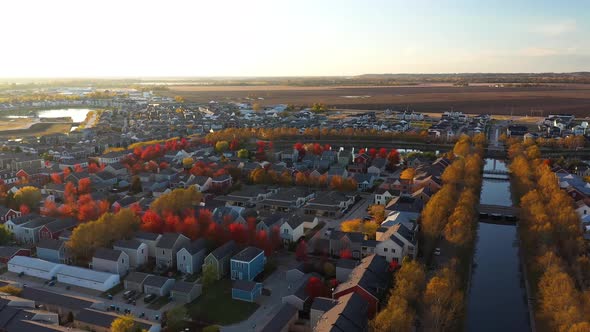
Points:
(552, 239)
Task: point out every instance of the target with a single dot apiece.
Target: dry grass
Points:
(37, 129)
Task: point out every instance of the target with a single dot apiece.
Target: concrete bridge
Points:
(498, 213)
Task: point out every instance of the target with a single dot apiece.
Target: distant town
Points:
(162, 214)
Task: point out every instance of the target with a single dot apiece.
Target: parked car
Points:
(128, 294)
(437, 251)
(149, 298)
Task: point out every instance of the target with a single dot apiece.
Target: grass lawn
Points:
(159, 303)
(216, 306)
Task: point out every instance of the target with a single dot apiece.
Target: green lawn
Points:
(216, 306)
(159, 303)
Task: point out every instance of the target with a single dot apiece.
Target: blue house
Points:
(246, 290)
(247, 264)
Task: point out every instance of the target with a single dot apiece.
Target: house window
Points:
(163, 252)
(393, 250)
(385, 249)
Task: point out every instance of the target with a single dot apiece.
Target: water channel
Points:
(497, 296)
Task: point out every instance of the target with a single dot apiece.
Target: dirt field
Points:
(539, 101)
(37, 129)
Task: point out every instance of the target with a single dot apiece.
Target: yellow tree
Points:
(124, 324)
(408, 174)
(377, 212)
(29, 196)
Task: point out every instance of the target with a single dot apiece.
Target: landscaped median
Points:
(216, 306)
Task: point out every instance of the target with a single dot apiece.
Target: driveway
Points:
(269, 305)
(358, 211)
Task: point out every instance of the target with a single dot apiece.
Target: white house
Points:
(33, 267)
(86, 278)
(110, 260)
(395, 243)
(136, 250)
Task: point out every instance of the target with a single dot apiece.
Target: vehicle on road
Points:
(149, 298)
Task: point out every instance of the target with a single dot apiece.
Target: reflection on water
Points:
(77, 114)
(496, 299)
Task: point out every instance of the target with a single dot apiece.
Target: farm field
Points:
(479, 98)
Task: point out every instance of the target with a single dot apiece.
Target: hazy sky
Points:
(283, 37)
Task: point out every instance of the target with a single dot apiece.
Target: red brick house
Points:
(54, 229)
(362, 158)
(221, 183)
(6, 253)
(370, 279)
(8, 214)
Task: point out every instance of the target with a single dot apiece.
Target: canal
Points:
(497, 298)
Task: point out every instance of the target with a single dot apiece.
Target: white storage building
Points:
(77, 276)
(33, 267)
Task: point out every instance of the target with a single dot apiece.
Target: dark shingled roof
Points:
(183, 286)
(168, 240)
(146, 236)
(348, 315)
(247, 254)
(323, 304)
(196, 246)
(280, 319)
(128, 244)
(51, 244)
(137, 277)
(107, 254)
(226, 249)
(156, 281)
(45, 297)
(8, 252)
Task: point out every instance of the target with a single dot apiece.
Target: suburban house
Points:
(220, 259)
(110, 260)
(340, 241)
(52, 230)
(329, 204)
(245, 290)
(136, 250)
(53, 250)
(7, 253)
(286, 200)
(247, 264)
(135, 281)
(150, 239)
(167, 248)
(299, 297)
(248, 196)
(396, 242)
(185, 292)
(344, 268)
(201, 183)
(29, 233)
(221, 183)
(320, 306)
(282, 320)
(268, 223)
(8, 214)
(158, 285)
(349, 313)
(189, 259)
(294, 227)
(370, 280)
(382, 196)
(77, 276)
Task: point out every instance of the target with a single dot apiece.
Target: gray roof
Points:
(51, 244)
(168, 240)
(156, 281)
(146, 236)
(60, 300)
(280, 319)
(346, 264)
(349, 314)
(9, 251)
(323, 304)
(137, 277)
(183, 286)
(248, 254)
(224, 250)
(107, 254)
(128, 244)
(196, 246)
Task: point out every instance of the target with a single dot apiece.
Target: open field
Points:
(14, 124)
(37, 129)
(480, 98)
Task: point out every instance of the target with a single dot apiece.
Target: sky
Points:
(127, 38)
